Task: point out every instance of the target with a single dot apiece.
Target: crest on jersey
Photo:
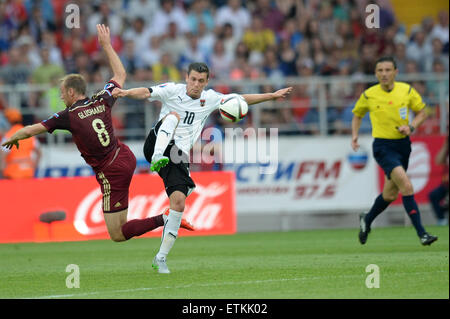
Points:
(202, 102)
(403, 113)
(108, 86)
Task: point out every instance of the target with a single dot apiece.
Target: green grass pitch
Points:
(313, 264)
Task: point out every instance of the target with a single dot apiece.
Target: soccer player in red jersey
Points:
(89, 121)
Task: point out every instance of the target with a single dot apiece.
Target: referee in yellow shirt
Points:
(388, 104)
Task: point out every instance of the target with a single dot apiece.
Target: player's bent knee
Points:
(117, 237)
(174, 114)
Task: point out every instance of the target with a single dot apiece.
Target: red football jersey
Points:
(89, 121)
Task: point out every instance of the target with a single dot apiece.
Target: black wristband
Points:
(411, 128)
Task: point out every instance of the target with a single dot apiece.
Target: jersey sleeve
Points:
(106, 93)
(415, 100)
(216, 98)
(361, 106)
(162, 92)
(58, 121)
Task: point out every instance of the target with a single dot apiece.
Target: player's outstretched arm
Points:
(136, 93)
(104, 38)
(24, 133)
(258, 98)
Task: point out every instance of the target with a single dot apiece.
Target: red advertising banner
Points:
(423, 171)
(210, 208)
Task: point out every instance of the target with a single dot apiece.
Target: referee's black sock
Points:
(413, 212)
(377, 208)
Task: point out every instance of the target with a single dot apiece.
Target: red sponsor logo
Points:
(211, 207)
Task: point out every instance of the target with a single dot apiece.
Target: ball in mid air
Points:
(233, 108)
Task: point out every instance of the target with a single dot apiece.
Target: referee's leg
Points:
(398, 175)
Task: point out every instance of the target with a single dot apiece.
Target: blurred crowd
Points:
(255, 39)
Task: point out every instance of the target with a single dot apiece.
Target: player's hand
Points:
(355, 144)
(10, 143)
(103, 35)
(282, 93)
(118, 93)
(404, 129)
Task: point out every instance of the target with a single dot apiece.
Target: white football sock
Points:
(165, 133)
(170, 233)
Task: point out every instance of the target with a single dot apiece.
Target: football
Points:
(233, 108)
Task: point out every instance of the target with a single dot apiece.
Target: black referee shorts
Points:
(391, 153)
(175, 174)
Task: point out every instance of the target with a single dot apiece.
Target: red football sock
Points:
(137, 227)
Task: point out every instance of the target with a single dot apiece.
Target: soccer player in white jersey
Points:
(185, 108)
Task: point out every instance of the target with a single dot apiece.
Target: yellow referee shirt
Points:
(388, 110)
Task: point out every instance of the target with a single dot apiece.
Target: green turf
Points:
(301, 264)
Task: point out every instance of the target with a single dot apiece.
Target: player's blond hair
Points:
(76, 82)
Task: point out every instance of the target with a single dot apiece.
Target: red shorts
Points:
(115, 179)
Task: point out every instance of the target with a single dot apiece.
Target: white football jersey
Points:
(193, 113)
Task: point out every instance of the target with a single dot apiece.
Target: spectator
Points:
(418, 49)
(257, 37)
(19, 163)
(8, 28)
(174, 42)
(344, 124)
(39, 25)
(200, 11)
(287, 57)
(291, 32)
(153, 55)
(411, 67)
(49, 41)
(437, 54)
(301, 102)
(326, 24)
(17, 71)
(139, 34)
(271, 65)
(220, 61)
(45, 7)
(269, 114)
(438, 195)
(47, 70)
(192, 53)
(165, 70)
(434, 86)
(105, 16)
(166, 14)
(29, 50)
(230, 41)
(270, 15)
(129, 57)
(400, 56)
(440, 30)
(206, 39)
(233, 13)
(144, 9)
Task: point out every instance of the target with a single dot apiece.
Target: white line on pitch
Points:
(249, 282)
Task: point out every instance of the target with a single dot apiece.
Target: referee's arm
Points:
(356, 124)
(420, 117)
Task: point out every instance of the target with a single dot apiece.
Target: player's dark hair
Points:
(76, 82)
(386, 59)
(199, 67)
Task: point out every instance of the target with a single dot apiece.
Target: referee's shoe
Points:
(364, 230)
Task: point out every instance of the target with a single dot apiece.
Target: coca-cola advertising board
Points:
(210, 208)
